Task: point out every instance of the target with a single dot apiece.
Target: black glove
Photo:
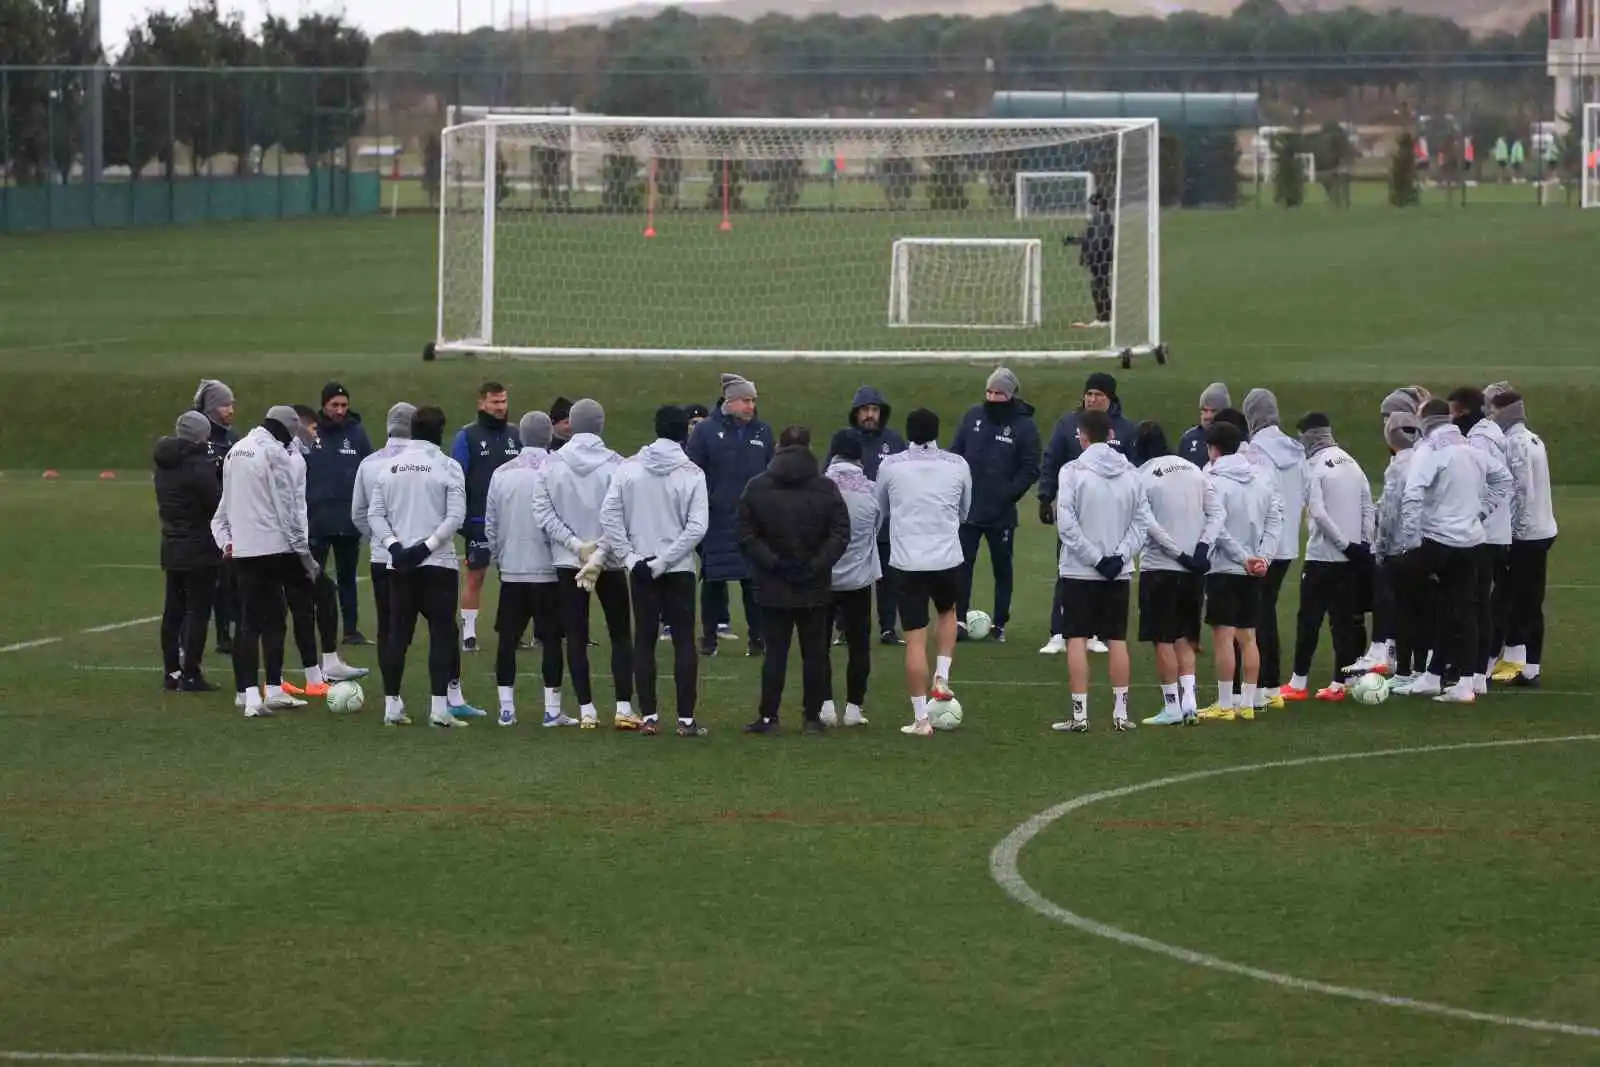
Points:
(309, 564)
(1202, 556)
(1189, 562)
(1046, 512)
(1358, 552)
(397, 555)
(1110, 567)
(794, 572)
(641, 570)
(412, 556)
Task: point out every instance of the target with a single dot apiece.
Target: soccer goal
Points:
(1590, 164)
(773, 239)
(1064, 195)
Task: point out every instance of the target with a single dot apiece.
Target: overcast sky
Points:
(375, 16)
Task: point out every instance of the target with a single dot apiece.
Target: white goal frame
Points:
(1026, 176)
(1589, 165)
(1138, 213)
(1030, 301)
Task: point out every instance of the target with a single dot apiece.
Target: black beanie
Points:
(561, 409)
(846, 444)
(333, 389)
(1101, 382)
(697, 411)
(672, 423)
(922, 426)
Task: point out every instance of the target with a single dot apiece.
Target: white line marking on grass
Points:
(18, 1056)
(108, 627)
(38, 642)
(1004, 870)
(124, 566)
(55, 346)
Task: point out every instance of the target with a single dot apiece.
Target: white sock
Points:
(313, 675)
(1225, 695)
(1169, 695)
(330, 660)
(1378, 651)
(1530, 670)
(392, 708)
(1247, 695)
(274, 692)
(852, 711)
(1298, 681)
(1516, 654)
(588, 712)
(941, 668)
(1186, 693)
(919, 708)
(507, 701)
(1388, 651)
(439, 705)
(469, 622)
(1431, 679)
(1119, 701)
(1336, 685)
(252, 697)
(624, 708)
(651, 718)
(1274, 691)
(552, 701)
(1080, 707)
(454, 695)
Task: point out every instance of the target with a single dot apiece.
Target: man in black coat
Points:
(187, 492)
(337, 448)
(214, 400)
(792, 528)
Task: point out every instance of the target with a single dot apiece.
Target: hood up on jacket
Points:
(1106, 461)
(661, 457)
(1284, 451)
(585, 453)
(1235, 468)
(868, 395)
(169, 451)
(793, 465)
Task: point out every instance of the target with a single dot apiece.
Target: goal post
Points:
(688, 238)
(1589, 165)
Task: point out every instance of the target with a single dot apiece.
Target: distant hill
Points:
(1480, 16)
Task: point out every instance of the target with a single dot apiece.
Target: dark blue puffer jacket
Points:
(331, 476)
(730, 454)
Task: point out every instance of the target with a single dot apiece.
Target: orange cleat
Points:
(1293, 695)
(1332, 694)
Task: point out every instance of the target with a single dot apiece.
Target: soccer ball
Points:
(944, 714)
(1370, 689)
(978, 624)
(345, 697)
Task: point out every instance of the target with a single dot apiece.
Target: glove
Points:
(413, 556)
(658, 567)
(1047, 512)
(644, 570)
(794, 572)
(1358, 552)
(1110, 567)
(1202, 556)
(397, 553)
(1193, 564)
(313, 571)
(586, 551)
(590, 572)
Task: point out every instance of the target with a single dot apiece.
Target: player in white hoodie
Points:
(854, 577)
(653, 516)
(1387, 654)
(1469, 408)
(567, 506)
(1287, 458)
(1533, 531)
(1253, 520)
(1101, 518)
(397, 424)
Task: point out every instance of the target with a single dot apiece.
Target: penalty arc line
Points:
(1003, 868)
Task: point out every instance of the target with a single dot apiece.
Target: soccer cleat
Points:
(589, 722)
(1215, 713)
(1333, 694)
(708, 647)
(649, 727)
(444, 719)
(1400, 684)
(1457, 694)
(317, 689)
(627, 720)
(1270, 702)
(466, 711)
(1522, 681)
(508, 717)
(853, 716)
(1290, 695)
(725, 632)
(469, 644)
(356, 637)
(1191, 718)
(829, 715)
(1071, 726)
(343, 672)
(813, 726)
(755, 650)
(1055, 646)
(284, 700)
(691, 729)
(196, 683)
(1427, 685)
(998, 635)
(1247, 714)
(918, 728)
(558, 718)
(890, 638)
(1166, 717)
(397, 720)
(1098, 646)
(1505, 672)
(940, 690)
(838, 638)
(666, 634)
(763, 725)
(258, 711)
(170, 682)
(1122, 725)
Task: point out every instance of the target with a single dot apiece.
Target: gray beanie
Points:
(587, 417)
(1003, 380)
(1260, 410)
(284, 416)
(398, 422)
(1405, 400)
(1492, 391)
(211, 395)
(1401, 430)
(535, 430)
(193, 426)
(1215, 397)
(735, 387)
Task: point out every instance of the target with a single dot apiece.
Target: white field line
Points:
(38, 642)
(108, 627)
(56, 346)
(1003, 868)
(18, 1056)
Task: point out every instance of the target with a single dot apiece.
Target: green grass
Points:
(174, 879)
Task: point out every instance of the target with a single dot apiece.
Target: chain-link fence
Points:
(168, 145)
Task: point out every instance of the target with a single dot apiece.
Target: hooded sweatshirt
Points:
(926, 493)
(516, 541)
(875, 444)
(860, 566)
(1184, 511)
(262, 511)
(1533, 516)
(567, 503)
(656, 507)
(398, 426)
(1101, 511)
(420, 497)
(187, 495)
(1490, 442)
(1387, 541)
(1339, 503)
(1446, 489)
(1287, 458)
(1252, 513)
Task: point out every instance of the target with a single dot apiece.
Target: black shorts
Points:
(477, 554)
(1093, 607)
(916, 588)
(1233, 600)
(1169, 606)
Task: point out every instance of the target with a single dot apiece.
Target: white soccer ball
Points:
(944, 714)
(345, 697)
(1370, 689)
(978, 624)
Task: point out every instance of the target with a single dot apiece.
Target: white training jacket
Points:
(1533, 514)
(374, 464)
(1288, 459)
(1252, 510)
(1447, 491)
(420, 496)
(656, 506)
(860, 566)
(1386, 541)
(1101, 511)
(260, 513)
(924, 494)
(517, 543)
(568, 500)
(1184, 511)
(1338, 505)
(1487, 437)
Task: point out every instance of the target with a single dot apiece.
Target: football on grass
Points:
(944, 714)
(345, 697)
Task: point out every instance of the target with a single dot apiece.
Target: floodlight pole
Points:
(93, 133)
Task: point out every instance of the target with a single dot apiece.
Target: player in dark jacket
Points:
(1000, 442)
(1192, 446)
(187, 492)
(337, 449)
(214, 400)
(480, 447)
(1097, 249)
(869, 422)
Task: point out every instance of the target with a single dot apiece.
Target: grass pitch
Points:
(178, 881)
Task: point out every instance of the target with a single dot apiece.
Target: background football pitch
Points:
(177, 881)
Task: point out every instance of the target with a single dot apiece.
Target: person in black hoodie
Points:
(187, 493)
(793, 526)
(337, 449)
(215, 400)
(1000, 442)
(869, 422)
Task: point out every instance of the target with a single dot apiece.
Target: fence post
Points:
(172, 150)
(5, 145)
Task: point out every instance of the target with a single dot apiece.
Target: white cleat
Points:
(1071, 726)
(1461, 693)
(445, 720)
(1098, 646)
(343, 672)
(853, 716)
(918, 728)
(1122, 725)
(1055, 646)
(557, 718)
(281, 701)
(829, 714)
(940, 690)
(257, 711)
(1426, 685)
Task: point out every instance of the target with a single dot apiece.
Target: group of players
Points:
(1450, 560)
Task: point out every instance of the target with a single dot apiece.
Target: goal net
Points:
(580, 236)
(1590, 164)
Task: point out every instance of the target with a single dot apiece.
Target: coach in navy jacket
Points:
(1192, 446)
(732, 446)
(341, 444)
(1100, 394)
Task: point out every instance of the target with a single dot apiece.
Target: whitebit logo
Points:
(410, 468)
